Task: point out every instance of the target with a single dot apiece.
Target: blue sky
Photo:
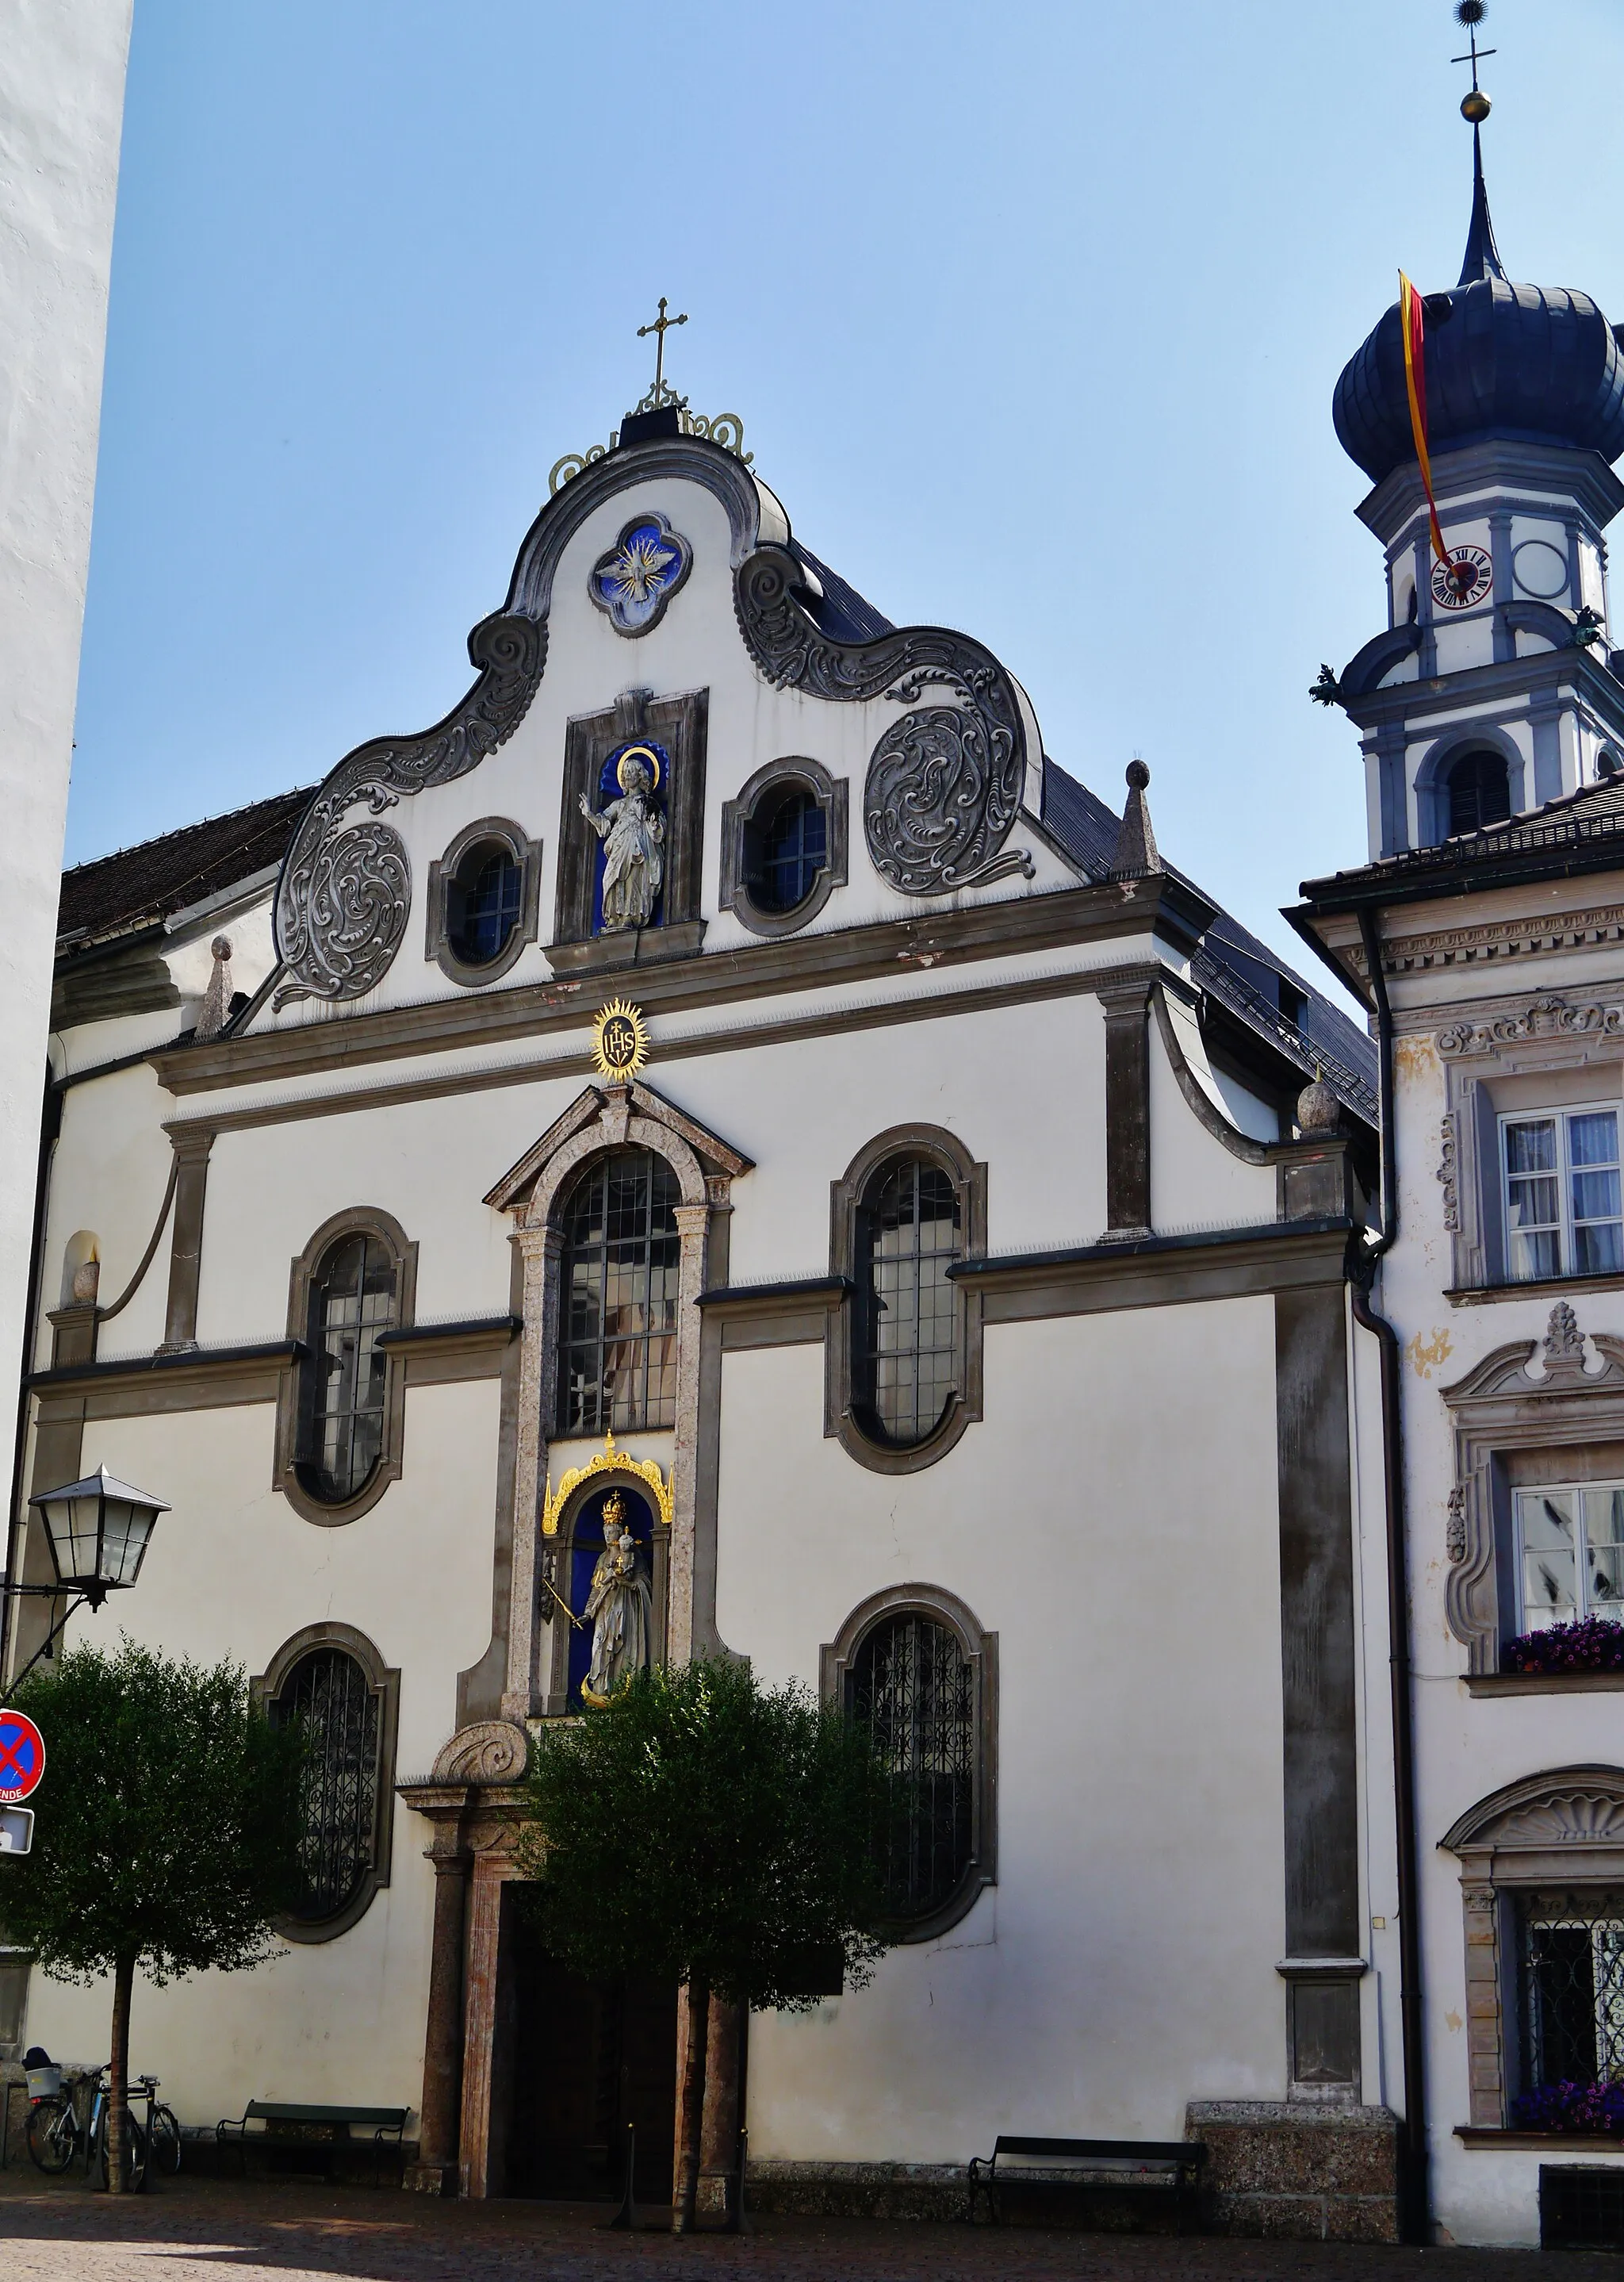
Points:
(1032, 314)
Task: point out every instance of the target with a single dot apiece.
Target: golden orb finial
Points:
(1475, 106)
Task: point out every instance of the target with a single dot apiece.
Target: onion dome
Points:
(1530, 363)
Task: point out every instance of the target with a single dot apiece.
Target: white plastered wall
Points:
(1140, 1806)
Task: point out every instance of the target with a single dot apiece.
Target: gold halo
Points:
(637, 753)
(620, 1041)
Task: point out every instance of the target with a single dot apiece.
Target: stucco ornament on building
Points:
(944, 783)
(607, 1461)
(346, 891)
(619, 1042)
(634, 581)
(1550, 1017)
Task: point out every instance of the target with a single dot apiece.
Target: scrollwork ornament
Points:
(359, 900)
(490, 1751)
(1447, 1173)
(1549, 1017)
(944, 784)
(1455, 1533)
(338, 875)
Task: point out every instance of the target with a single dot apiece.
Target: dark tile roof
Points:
(843, 614)
(1581, 831)
(136, 888)
(1244, 975)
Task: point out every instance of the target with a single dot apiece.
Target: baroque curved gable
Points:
(944, 781)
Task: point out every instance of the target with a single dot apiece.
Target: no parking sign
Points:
(22, 1756)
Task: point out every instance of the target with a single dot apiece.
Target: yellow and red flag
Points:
(1413, 324)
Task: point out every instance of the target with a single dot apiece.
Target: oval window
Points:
(483, 899)
(786, 848)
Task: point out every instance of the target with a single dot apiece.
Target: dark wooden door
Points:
(588, 2059)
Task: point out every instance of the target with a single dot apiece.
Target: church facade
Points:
(723, 1145)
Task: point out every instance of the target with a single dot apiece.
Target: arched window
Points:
(330, 1682)
(617, 1338)
(483, 901)
(327, 1696)
(1479, 791)
(916, 1669)
(787, 846)
(351, 1302)
(905, 1363)
(910, 1686)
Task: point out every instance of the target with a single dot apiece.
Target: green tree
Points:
(705, 1829)
(166, 1830)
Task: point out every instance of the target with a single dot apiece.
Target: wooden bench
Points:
(288, 2122)
(1163, 2166)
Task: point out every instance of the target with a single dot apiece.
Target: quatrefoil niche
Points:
(635, 580)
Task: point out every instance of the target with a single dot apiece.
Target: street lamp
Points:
(98, 1530)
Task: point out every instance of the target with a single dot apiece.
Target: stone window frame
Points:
(1519, 1059)
(969, 1178)
(1503, 1414)
(526, 854)
(980, 1650)
(794, 773)
(295, 1388)
(680, 723)
(600, 1118)
(383, 1679)
(1562, 1827)
(1432, 776)
(556, 1552)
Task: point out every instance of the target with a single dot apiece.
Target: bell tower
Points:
(1493, 687)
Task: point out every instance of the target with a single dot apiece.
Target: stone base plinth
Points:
(1310, 2174)
(431, 2179)
(939, 2191)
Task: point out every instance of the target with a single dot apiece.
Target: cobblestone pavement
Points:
(218, 2230)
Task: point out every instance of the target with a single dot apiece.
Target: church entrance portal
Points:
(588, 2059)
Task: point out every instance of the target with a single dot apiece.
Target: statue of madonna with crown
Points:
(620, 1608)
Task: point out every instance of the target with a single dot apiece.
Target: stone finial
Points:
(217, 997)
(1319, 1113)
(1563, 1341)
(87, 1282)
(1136, 853)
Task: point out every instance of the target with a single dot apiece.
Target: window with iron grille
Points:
(336, 1709)
(906, 1362)
(351, 1300)
(911, 1685)
(617, 1344)
(1570, 1952)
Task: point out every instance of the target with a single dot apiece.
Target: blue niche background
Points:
(608, 790)
(585, 1546)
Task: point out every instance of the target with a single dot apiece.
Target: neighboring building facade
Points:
(952, 1316)
(61, 115)
(1488, 935)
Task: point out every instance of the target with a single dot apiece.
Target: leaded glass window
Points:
(906, 1366)
(617, 1348)
(1564, 1211)
(912, 1687)
(483, 903)
(335, 1707)
(1570, 1551)
(786, 848)
(1571, 1963)
(352, 1300)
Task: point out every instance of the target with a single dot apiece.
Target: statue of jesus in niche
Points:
(620, 1608)
(632, 831)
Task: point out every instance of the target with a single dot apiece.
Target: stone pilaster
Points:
(537, 1374)
(693, 1225)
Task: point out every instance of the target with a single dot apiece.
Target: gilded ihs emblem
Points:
(619, 1042)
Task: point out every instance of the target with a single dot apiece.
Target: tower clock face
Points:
(1464, 579)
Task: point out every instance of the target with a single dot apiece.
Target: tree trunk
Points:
(686, 2202)
(123, 1981)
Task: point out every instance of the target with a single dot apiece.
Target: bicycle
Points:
(56, 2135)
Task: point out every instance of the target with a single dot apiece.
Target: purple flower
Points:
(1568, 2106)
(1594, 1645)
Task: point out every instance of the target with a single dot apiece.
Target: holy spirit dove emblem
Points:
(635, 580)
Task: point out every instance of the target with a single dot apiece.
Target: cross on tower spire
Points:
(1473, 105)
(662, 325)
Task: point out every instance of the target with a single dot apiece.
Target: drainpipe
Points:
(1415, 2202)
